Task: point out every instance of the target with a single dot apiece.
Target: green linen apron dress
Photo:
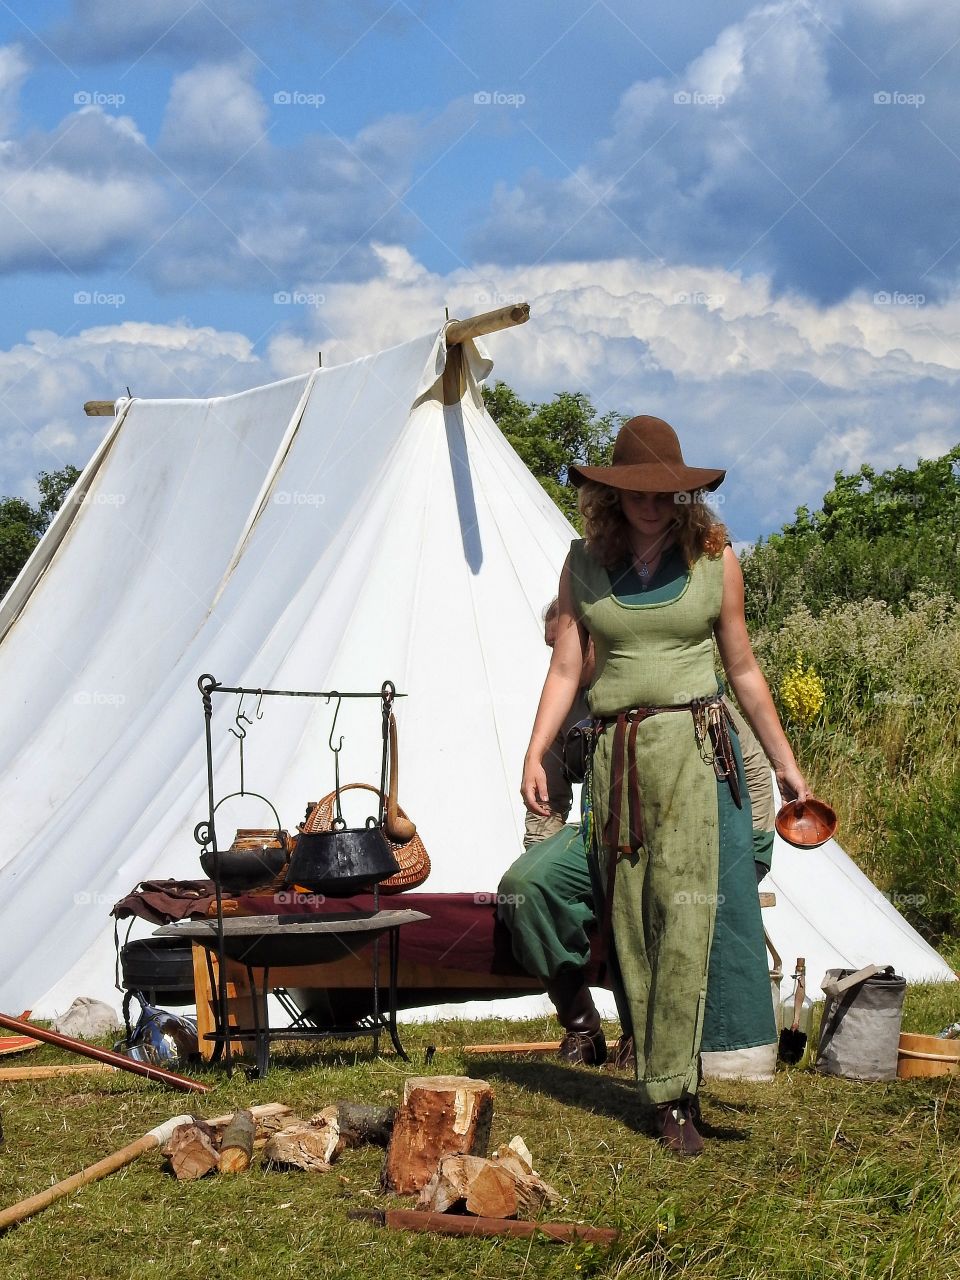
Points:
(660, 653)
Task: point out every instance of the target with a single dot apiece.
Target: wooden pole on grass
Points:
(102, 1055)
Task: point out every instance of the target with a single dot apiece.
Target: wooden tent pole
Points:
(490, 322)
(457, 331)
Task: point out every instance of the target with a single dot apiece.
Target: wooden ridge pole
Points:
(489, 322)
(100, 408)
(458, 331)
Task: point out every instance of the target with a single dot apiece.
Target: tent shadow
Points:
(581, 1087)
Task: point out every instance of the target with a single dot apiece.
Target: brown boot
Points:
(676, 1128)
(584, 1043)
(624, 1056)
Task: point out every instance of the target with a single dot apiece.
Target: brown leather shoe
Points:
(624, 1057)
(677, 1131)
(584, 1049)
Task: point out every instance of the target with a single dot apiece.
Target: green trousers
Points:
(548, 897)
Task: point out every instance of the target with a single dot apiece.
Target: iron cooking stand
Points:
(262, 946)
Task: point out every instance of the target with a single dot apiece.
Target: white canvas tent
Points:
(327, 531)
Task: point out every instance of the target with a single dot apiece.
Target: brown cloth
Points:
(463, 931)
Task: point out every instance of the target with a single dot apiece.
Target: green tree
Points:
(882, 535)
(549, 436)
(23, 525)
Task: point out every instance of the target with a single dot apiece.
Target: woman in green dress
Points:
(655, 584)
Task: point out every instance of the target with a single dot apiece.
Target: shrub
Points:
(922, 857)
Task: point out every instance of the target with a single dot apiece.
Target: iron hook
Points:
(336, 713)
(240, 732)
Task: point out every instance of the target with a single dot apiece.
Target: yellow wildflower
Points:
(802, 693)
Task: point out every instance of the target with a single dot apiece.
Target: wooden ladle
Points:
(397, 827)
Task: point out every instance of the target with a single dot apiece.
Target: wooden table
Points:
(263, 943)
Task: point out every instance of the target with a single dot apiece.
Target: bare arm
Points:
(747, 682)
(559, 691)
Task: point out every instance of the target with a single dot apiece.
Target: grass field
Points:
(804, 1177)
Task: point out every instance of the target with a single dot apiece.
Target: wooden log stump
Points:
(236, 1145)
(439, 1116)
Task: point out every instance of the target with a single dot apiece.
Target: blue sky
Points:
(742, 217)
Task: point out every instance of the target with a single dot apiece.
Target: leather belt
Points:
(711, 724)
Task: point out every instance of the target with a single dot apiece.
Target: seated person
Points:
(547, 900)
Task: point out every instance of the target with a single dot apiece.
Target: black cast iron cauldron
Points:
(343, 861)
(243, 869)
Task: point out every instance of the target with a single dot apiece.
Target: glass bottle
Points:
(789, 1013)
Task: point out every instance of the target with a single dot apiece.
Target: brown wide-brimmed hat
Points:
(647, 459)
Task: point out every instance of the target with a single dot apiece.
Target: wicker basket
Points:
(412, 856)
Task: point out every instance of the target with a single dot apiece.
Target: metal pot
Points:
(343, 861)
(242, 869)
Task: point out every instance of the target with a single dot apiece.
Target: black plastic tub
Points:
(161, 968)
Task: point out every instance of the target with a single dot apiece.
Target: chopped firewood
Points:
(499, 1188)
(438, 1116)
(268, 1116)
(515, 1156)
(299, 1146)
(352, 1124)
(192, 1150)
(317, 1143)
(236, 1145)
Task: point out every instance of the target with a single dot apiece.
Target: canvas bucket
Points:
(860, 1027)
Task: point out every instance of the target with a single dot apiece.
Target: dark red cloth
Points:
(463, 931)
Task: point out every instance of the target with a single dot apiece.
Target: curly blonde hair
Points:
(699, 532)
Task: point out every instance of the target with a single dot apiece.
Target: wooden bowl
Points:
(807, 824)
(923, 1056)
